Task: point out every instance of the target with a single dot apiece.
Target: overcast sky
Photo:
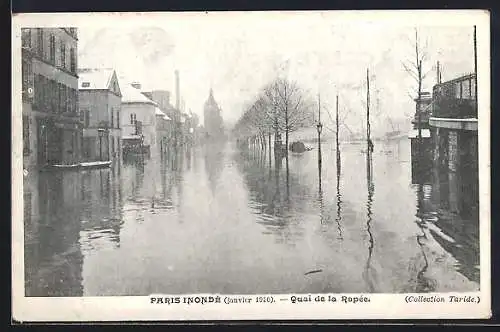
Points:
(236, 54)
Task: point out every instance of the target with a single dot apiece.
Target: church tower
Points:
(213, 118)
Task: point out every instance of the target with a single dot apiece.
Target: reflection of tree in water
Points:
(369, 273)
(276, 210)
(53, 259)
(214, 162)
(422, 282)
(338, 218)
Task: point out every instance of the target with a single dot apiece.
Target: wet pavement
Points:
(217, 219)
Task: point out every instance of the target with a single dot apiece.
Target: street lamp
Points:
(100, 133)
(319, 127)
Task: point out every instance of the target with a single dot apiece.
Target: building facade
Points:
(165, 116)
(52, 132)
(213, 122)
(454, 131)
(138, 122)
(100, 112)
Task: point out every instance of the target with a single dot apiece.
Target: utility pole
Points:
(337, 134)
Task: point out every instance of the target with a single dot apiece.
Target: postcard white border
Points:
(381, 306)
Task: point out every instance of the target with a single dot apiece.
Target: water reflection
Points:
(228, 220)
(338, 219)
(369, 273)
(447, 213)
(68, 214)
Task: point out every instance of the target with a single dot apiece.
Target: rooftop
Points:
(94, 78)
(133, 95)
(160, 113)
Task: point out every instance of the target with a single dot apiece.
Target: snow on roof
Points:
(94, 78)
(158, 111)
(162, 114)
(133, 95)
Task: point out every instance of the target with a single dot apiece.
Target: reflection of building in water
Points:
(65, 213)
(450, 207)
(214, 163)
(53, 258)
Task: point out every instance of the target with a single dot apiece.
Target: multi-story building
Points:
(100, 111)
(138, 122)
(165, 114)
(52, 132)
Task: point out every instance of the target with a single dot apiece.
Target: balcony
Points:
(455, 108)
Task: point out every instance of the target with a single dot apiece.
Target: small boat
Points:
(83, 165)
(96, 164)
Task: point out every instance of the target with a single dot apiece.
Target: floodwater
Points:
(216, 219)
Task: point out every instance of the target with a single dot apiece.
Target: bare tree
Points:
(294, 108)
(415, 69)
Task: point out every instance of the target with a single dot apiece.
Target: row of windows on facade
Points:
(51, 96)
(62, 61)
(26, 137)
(85, 119)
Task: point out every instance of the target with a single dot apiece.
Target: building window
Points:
(87, 118)
(473, 88)
(85, 84)
(72, 60)
(118, 119)
(68, 100)
(40, 42)
(60, 97)
(52, 49)
(466, 93)
(112, 118)
(27, 73)
(38, 92)
(75, 101)
(63, 55)
(54, 98)
(133, 118)
(26, 37)
(26, 135)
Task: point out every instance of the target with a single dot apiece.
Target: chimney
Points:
(177, 91)
(136, 85)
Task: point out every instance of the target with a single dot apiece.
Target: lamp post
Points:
(100, 133)
(319, 128)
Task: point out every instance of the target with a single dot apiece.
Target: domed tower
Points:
(212, 117)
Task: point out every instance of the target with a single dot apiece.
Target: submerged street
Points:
(217, 219)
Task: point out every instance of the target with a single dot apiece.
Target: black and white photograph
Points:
(253, 158)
